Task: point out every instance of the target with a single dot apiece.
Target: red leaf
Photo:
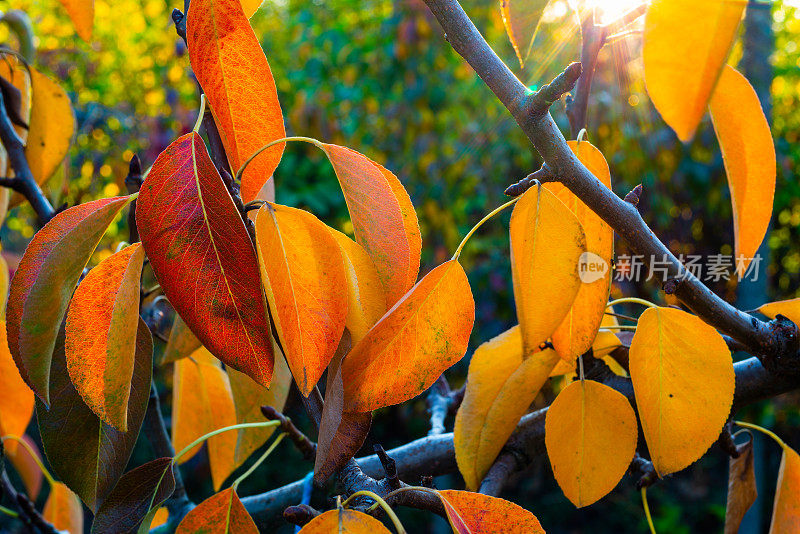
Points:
(203, 258)
(222, 513)
(481, 514)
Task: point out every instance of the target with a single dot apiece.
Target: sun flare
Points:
(610, 10)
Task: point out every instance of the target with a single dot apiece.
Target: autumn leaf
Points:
(160, 517)
(249, 397)
(577, 331)
(546, 243)
(203, 402)
(788, 308)
(222, 513)
(5, 280)
(474, 513)
(63, 509)
(742, 489)
(101, 334)
(749, 156)
(16, 398)
(500, 388)
(685, 45)
(683, 380)
(521, 19)
(425, 333)
(303, 276)
(366, 300)
(250, 7)
(82, 14)
(87, 454)
(786, 510)
(181, 342)
(19, 104)
(136, 498)
(343, 520)
(45, 280)
(203, 258)
(233, 71)
(590, 435)
(384, 220)
(24, 463)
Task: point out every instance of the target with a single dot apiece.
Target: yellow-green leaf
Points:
(590, 435)
(501, 386)
(546, 244)
(683, 379)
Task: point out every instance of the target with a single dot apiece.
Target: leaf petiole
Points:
(647, 511)
(632, 300)
(200, 114)
(258, 462)
(240, 172)
(201, 439)
(33, 455)
(7, 511)
(379, 502)
(480, 223)
(763, 430)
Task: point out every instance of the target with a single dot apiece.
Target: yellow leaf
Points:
(181, 343)
(201, 402)
(546, 243)
(63, 509)
(786, 511)
(250, 7)
(788, 308)
(82, 14)
(13, 70)
(590, 435)
(605, 342)
(577, 331)
(500, 388)
(683, 379)
(685, 45)
(344, 521)
(521, 19)
(749, 156)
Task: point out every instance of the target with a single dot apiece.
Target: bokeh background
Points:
(377, 76)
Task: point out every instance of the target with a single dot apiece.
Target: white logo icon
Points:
(591, 267)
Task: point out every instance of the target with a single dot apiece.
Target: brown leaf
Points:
(742, 490)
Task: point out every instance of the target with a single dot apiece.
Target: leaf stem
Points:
(763, 430)
(379, 501)
(4, 510)
(201, 439)
(311, 140)
(33, 454)
(647, 511)
(632, 300)
(611, 327)
(258, 462)
(200, 113)
(480, 223)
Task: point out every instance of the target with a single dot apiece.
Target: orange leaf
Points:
(426, 332)
(788, 308)
(250, 7)
(685, 45)
(249, 397)
(546, 244)
(181, 343)
(590, 435)
(26, 466)
(101, 334)
(160, 517)
(5, 280)
(749, 155)
(16, 398)
(202, 256)
(202, 402)
(44, 282)
(521, 19)
(474, 513)
(340, 521)
(222, 513)
(384, 219)
(577, 331)
(366, 301)
(233, 71)
(63, 509)
(500, 388)
(303, 276)
(786, 511)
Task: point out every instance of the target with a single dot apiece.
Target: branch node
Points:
(634, 196)
(541, 100)
(300, 514)
(303, 444)
(645, 470)
(542, 175)
(670, 285)
(389, 467)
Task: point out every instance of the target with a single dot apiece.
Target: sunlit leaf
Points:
(5, 280)
(138, 492)
(250, 7)
(160, 517)
(303, 275)
(683, 379)
(742, 489)
(546, 243)
(366, 300)
(500, 388)
(202, 402)
(101, 334)
(82, 14)
(521, 19)
(16, 398)
(474, 513)
(231, 67)
(426, 332)
(249, 397)
(590, 435)
(45, 280)
(87, 454)
(14, 71)
(577, 331)
(342, 520)
(203, 258)
(685, 45)
(786, 511)
(181, 342)
(222, 513)
(749, 155)
(606, 342)
(788, 308)
(63, 509)
(384, 219)
(25, 465)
